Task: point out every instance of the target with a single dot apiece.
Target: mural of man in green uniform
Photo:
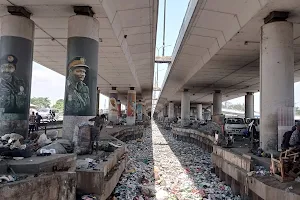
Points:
(12, 89)
(77, 92)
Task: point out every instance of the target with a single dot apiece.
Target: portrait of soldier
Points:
(12, 89)
(77, 92)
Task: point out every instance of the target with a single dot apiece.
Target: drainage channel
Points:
(163, 168)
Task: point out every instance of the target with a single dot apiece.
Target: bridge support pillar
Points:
(98, 101)
(177, 111)
(185, 107)
(199, 111)
(82, 73)
(217, 103)
(139, 111)
(276, 80)
(113, 105)
(249, 105)
(165, 110)
(171, 110)
(119, 105)
(131, 107)
(16, 51)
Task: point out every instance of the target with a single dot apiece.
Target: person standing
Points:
(31, 122)
(38, 119)
(53, 116)
(95, 130)
(295, 138)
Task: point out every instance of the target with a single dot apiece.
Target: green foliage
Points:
(59, 105)
(297, 112)
(41, 102)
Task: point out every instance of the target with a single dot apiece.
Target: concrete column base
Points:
(21, 127)
(71, 125)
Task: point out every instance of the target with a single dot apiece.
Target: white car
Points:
(44, 112)
(235, 126)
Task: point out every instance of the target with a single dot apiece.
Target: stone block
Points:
(58, 186)
(36, 164)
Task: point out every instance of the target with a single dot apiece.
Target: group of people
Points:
(34, 122)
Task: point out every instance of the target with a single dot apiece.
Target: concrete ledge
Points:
(112, 179)
(58, 186)
(94, 182)
(242, 161)
(265, 187)
(37, 165)
(232, 168)
(103, 181)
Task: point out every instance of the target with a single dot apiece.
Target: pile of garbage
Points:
(161, 168)
(17, 147)
(259, 171)
(208, 127)
(260, 153)
(7, 178)
(87, 163)
(13, 145)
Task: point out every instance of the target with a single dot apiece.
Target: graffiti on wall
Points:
(131, 104)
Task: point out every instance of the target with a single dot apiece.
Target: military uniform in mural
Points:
(12, 89)
(77, 92)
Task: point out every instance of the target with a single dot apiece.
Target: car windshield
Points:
(235, 121)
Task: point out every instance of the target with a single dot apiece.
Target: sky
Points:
(175, 13)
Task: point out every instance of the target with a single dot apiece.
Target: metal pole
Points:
(164, 30)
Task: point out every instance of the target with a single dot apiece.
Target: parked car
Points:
(44, 112)
(235, 126)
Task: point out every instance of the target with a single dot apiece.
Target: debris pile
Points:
(208, 127)
(13, 145)
(161, 168)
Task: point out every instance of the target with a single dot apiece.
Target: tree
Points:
(239, 107)
(41, 102)
(297, 112)
(59, 105)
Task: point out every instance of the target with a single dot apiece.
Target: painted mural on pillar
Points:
(15, 77)
(119, 108)
(12, 88)
(81, 82)
(131, 104)
(78, 94)
(139, 111)
(113, 105)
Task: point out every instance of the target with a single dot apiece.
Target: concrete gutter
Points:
(233, 168)
(103, 181)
